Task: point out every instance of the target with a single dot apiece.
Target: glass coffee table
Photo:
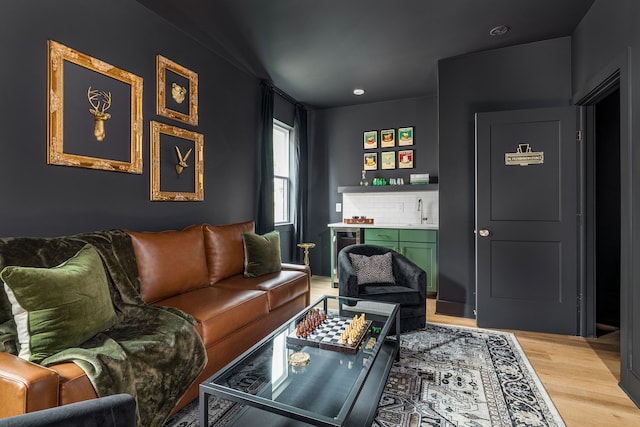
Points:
(303, 374)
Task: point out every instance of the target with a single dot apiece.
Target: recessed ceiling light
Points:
(500, 30)
(358, 92)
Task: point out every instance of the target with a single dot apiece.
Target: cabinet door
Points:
(424, 255)
(389, 235)
(384, 243)
(422, 236)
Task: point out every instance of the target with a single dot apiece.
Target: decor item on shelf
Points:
(419, 178)
(380, 181)
(70, 73)
(165, 183)
(405, 136)
(370, 139)
(363, 180)
(182, 84)
(405, 159)
(387, 138)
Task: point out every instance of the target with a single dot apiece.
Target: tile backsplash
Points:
(392, 207)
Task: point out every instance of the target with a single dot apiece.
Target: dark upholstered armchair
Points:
(117, 410)
(409, 289)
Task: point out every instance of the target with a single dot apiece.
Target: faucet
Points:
(420, 209)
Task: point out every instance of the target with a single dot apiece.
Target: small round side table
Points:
(306, 247)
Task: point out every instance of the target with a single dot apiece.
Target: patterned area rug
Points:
(447, 376)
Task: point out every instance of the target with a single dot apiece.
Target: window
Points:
(282, 166)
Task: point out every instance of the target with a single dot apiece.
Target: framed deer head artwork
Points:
(176, 91)
(95, 113)
(177, 165)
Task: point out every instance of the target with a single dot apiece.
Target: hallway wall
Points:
(525, 76)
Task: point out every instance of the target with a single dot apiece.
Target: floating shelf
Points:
(387, 188)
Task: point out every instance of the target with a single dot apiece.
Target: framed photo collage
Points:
(391, 154)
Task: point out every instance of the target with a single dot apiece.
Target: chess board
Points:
(327, 335)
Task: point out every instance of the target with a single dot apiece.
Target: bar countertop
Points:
(426, 226)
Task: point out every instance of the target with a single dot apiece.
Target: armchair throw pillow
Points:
(373, 269)
(60, 307)
(261, 253)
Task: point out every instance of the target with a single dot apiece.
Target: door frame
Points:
(629, 274)
(587, 190)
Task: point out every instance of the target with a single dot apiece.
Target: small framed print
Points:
(370, 161)
(405, 159)
(177, 164)
(370, 139)
(387, 138)
(176, 92)
(388, 160)
(405, 136)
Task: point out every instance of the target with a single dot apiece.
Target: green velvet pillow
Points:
(261, 253)
(60, 307)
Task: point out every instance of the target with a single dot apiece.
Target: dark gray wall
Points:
(43, 200)
(525, 76)
(606, 40)
(339, 131)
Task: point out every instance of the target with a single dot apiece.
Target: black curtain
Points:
(301, 190)
(265, 214)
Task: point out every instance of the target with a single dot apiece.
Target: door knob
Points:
(484, 232)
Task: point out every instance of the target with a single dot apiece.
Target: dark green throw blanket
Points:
(153, 353)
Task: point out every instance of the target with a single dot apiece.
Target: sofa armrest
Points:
(296, 267)
(347, 278)
(25, 386)
(303, 269)
(410, 275)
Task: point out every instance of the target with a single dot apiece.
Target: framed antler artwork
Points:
(177, 165)
(95, 113)
(176, 91)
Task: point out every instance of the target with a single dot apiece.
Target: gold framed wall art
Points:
(94, 113)
(177, 164)
(176, 91)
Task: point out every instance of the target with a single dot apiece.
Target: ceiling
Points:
(318, 51)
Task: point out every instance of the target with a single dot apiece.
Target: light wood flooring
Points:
(580, 374)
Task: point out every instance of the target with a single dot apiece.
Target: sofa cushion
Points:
(281, 287)
(374, 268)
(261, 253)
(220, 311)
(224, 248)
(61, 307)
(170, 262)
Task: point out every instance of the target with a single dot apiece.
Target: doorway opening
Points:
(603, 201)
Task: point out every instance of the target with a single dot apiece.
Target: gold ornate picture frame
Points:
(176, 92)
(80, 131)
(177, 164)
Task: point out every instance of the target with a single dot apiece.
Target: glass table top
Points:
(314, 378)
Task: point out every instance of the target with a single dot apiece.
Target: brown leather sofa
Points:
(198, 270)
